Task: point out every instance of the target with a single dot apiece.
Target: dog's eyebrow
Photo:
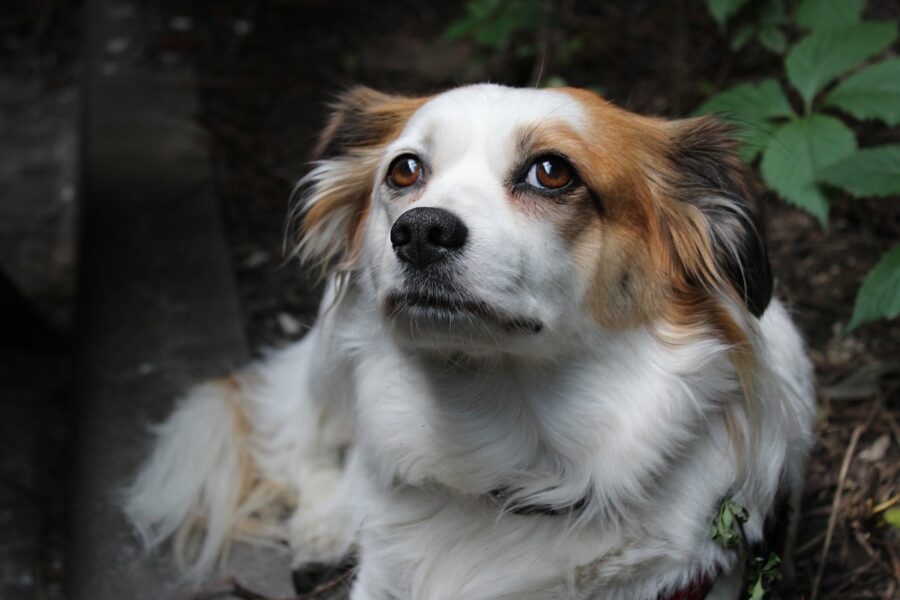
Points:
(532, 140)
(527, 140)
(526, 143)
(554, 137)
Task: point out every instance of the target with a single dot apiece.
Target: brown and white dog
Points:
(548, 350)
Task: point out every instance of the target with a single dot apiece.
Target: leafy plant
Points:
(524, 30)
(492, 24)
(892, 517)
(728, 531)
(878, 295)
(752, 20)
(763, 573)
(728, 526)
(807, 152)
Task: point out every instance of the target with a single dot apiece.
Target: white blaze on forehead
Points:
(486, 119)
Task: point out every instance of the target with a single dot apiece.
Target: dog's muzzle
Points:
(426, 241)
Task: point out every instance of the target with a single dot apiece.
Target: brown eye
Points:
(550, 173)
(404, 171)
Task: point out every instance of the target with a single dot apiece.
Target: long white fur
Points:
(387, 438)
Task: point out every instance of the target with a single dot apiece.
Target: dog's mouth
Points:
(442, 308)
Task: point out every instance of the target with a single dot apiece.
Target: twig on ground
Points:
(808, 545)
(838, 494)
(869, 550)
(892, 422)
(835, 505)
(885, 505)
(850, 580)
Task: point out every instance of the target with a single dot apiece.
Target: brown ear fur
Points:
(708, 176)
(679, 204)
(363, 118)
(335, 195)
(717, 238)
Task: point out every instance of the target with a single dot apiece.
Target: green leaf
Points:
(492, 23)
(869, 172)
(749, 106)
(770, 16)
(879, 296)
(762, 20)
(754, 138)
(728, 526)
(771, 569)
(722, 10)
(763, 573)
(773, 39)
(742, 35)
(757, 591)
(755, 101)
(825, 14)
(873, 93)
(570, 48)
(823, 55)
(892, 517)
(798, 151)
(554, 81)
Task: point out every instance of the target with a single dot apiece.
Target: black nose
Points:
(425, 235)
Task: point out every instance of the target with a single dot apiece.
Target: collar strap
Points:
(697, 589)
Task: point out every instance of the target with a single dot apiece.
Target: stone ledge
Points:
(157, 306)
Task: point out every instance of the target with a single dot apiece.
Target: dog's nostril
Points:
(451, 234)
(400, 235)
(434, 235)
(437, 236)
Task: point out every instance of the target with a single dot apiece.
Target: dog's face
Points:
(466, 240)
(491, 218)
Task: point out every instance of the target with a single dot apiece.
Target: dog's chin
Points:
(454, 319)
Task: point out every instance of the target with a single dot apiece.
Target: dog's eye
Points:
(404, 171)
(550, 172)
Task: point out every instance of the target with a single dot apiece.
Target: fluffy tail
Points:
(200, 486)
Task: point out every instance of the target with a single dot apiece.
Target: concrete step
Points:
(157, 308)
(38, 138)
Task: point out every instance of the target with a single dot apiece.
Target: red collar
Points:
(695, 590)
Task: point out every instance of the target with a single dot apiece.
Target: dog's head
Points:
(519, 219)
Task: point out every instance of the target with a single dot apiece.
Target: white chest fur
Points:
(633, 426)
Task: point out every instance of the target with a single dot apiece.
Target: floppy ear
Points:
(709, 176)
(332, 200)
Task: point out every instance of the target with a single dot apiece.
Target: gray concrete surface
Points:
(33, 389)
(38, 135)
(38, 140)
(157, 307)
